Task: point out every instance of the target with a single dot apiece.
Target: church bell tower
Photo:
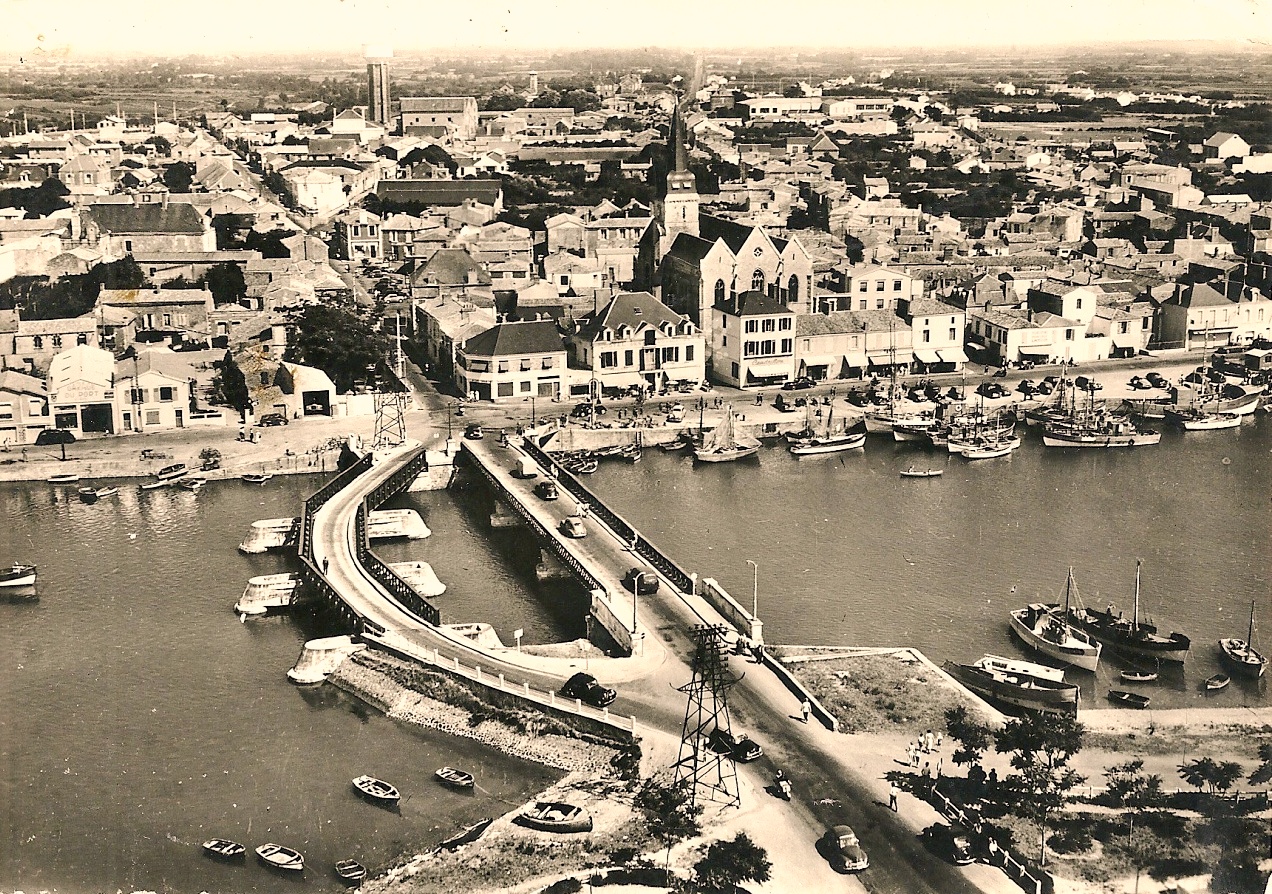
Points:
(680, 206)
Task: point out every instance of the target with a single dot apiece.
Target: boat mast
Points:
(1250, 635)
(1135, 616)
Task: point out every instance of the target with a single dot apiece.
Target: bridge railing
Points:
(1018, 870)
(398, 481)
(305, 540)
(386, 577)
(619, 525)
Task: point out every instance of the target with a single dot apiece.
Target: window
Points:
(629, 358)
(264, 378)
(748, 349)
(1145, 321)
(927, 336)
(788, 345)
(757, 281)
(719, 291)
(768, 346)
(1079, 304)
(152, 417)
(128, 245)
(752, 326)
(688, 353)
(1068, 335)
(671, 355)
(1122, 327)
(547, 363)
(167, 320)
(503, 366)
(167, 393)
(609, 359)
(479, 366)
(792, 289)
(503, 389)
(768, 325)
(136, 395)
(57, 341)
(879, 285)
(37, 342)
(525, 364)
(785, 323)
(524, 387)
(896, 285)
(863, 286)
(878, 304)
(6, 411)
(953, 334)
(863, 304)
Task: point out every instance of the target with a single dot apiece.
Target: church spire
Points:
(680, 205)
(680, 156)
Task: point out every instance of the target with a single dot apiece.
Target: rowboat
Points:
(192, 483)
(1130, 699)
(1139, 676)
(554, 816)
(63, 478)
(87, 494)
(454, 778)
(107, 491)
(154, 485)
(223, 849)
(278, 857)
(467, 835)
(912, 472)
(1217, 682)
(350, 871)
(18, 575)
(376, 790)
(257, 479)
(171, 473)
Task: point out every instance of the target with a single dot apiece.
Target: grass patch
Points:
(869, 692)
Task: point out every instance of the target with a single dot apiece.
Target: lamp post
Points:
(755, 589)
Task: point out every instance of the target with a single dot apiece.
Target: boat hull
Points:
(1020, 690)
(18, 576)
(725, 456)
(555, 818)
(1055, 438)
(1028, 624)
(1244, 660)
(815, 446)
(1119, 636)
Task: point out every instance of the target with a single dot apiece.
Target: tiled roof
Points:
(516, 339)
(630, 309)
(450, 266)
(164, 362)
(733, 233)
(12, 382)
(835, 323)
(172, 218)
(753, 304)
(445, 193)
(690, 247)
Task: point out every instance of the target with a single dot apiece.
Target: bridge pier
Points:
(440, 470)
(503, 517)
(550, 568)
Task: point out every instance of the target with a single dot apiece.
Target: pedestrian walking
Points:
(806, 709)
(326, 563)
(759, 399)
(909, 754)
(914, 755)
(939, 737)
(893, 791)
(940, 763)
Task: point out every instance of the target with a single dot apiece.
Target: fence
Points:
(1019, 872)
(305, 542)
(601, 719)
(386, 577)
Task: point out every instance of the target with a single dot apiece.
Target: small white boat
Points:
(912, 472)
(18, 575)
(455, 778)
(376, 790)
(829, 444)
(107, 491)
(64, 478)
(1045, 630)
(257, 479)
(278, 857)
(153, 485)
(171, 473)
(1199, 420)
(191, 483)
(992, 451)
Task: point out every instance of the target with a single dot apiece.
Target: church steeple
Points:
(680, 207)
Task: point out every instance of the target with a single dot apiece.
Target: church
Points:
(703, 262)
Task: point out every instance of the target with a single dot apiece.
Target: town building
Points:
(513, 361)
(24, 408)
(753, 340)
(153, 391)
(454, 116)
(637, 340)
(356, 236)
(82, 393)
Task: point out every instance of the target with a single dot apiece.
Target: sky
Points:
(163, 27)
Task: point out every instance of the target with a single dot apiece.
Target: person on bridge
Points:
(806, 709)
(893, 791)
(326, 563)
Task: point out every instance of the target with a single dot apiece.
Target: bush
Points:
(564, 886)
(1071, 839)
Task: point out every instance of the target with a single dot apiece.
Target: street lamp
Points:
(755, 590)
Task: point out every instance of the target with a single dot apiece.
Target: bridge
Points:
(655, 632)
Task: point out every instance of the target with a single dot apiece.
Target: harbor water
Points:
(139, 717)
(852, 554)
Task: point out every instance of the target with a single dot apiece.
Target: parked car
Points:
(573, 527)
(737, 746)
(1157, 380)
(991, 390)
(1053, 381)
(949, 843)
(846, 853)
(1045, 387)
(585, 688)
(641, 581)
(473, 432)
(1087, 384)
(956, 393)
(546, 490)
(1139, 383)
(271, 419)
(1026, 387)
(585, 410)
(785, 405)
(798, 384)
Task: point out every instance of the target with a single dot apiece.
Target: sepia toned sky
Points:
(159, 27)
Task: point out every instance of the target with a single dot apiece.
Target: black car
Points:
(949, 843)
(546, 490)
(272, 419)
(585, 410)
(844, 849)
(473, 432)
(641, 581)
(585, 688)
(799, 384)
(737, 746)
(1086, 384)
(1157, 380)
(991, 390)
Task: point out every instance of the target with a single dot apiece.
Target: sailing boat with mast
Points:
(725, 443)
(1045, 630)
(1241, 654)
(1133, 636)
(850, 438)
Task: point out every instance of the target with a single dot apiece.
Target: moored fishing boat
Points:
(1215, 682)
(1098, 432)
(455, 778)
(555, 816)
(223, 849)
(171, 473)
(912, 472)
(252, 478)
(1019, 683)
(851, 438)
(1241, 654)
(1130, 699)
(989, 451)
(1129, 636)
(18, 575)
(1194, 419)
(1046, 631)
(376, 790)
(278, 857)
(725, 443)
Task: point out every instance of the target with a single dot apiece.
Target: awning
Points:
(769, 369)
(1036, 350)
(952, 355)
(819, 360)
(927, 356)
(889, 359)
(1126, 341)
(856, 359)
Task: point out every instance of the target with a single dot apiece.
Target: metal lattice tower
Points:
(390, 419)
(713, 776)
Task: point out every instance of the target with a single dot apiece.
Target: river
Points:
(138, 717)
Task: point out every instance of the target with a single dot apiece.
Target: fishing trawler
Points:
(725, 443)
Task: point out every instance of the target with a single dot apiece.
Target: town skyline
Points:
(342, 25)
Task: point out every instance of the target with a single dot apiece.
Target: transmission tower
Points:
(712, 776)
(390, 419)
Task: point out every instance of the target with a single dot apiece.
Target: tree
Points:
(225, 282)
(1262, 774)
(502, 102)
(972, 735)
(728, 864)
(270, 244)
(339, 339)
(178, 176)
(669, 811)
(231, 384)
(1129, 787)
(1205, 772)
(162, 145)
(1041, 747)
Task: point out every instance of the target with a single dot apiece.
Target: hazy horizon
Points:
(77, 30)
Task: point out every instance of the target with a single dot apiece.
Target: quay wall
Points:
(731, 610)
